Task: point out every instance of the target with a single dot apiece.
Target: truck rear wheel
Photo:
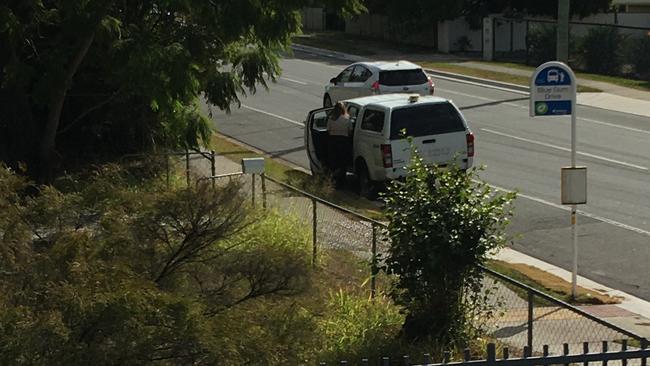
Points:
(367, 188)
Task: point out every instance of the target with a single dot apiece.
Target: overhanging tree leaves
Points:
(82, 77)
(443, 224)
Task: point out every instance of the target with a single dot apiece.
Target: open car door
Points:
(316, 139)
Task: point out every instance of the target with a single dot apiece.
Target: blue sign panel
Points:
(553, 108)
(553, 75)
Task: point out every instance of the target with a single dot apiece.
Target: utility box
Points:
(574, 185)
(252, 165)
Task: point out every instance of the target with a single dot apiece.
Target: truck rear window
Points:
(425, 120)
(402, 77)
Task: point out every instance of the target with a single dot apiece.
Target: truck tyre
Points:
(367, 188)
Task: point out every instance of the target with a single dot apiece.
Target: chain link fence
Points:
(526, 320)
(523, 319)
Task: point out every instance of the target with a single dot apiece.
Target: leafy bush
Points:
(640, 57)
(600, 51)
(115, 275)
(541, 42)
(443, 224)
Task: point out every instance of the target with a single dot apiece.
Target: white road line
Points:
(293, 80)
(630, 165)
(478, 84)
(339, 68)
(526, 108)
(274, 115)
(583, 213)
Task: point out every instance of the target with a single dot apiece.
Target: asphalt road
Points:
(519, 153)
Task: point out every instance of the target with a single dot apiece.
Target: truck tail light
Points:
(387, 156)
(431, 85)
(470, 144)
(375, 87)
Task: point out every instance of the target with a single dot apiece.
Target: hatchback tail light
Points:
(431, 85)
(387, 156)
(470, 144)
(375, 87)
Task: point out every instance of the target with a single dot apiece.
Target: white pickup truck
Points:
(379, 151)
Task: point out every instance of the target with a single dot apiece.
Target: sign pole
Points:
(553, 93)
(574, 207)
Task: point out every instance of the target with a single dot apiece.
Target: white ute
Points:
(379, 152)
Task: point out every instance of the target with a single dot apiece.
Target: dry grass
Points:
(550, 283)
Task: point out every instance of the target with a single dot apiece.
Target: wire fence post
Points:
(213, 167)
(373, 267)
(187, 167)
(531, 298)
(263, 191)
(253, 188)
(314, 231)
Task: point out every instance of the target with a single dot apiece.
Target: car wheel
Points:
(367, 188)
(327, 101)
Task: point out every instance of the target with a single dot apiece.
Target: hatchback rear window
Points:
(402, 77)
(425, 119)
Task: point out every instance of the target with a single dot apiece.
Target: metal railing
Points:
(524, 318)
(623, 355)
(187, 156)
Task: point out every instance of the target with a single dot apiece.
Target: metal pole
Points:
(373, 267)
(263, 191)
(253, 186)
(574, 208)
(214, 167)
(314, 231)
(562, 50)
(187, 166)
(531, 298)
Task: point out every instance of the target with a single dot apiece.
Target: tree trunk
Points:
(49, 158)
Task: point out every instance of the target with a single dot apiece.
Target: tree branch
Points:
(88, 111)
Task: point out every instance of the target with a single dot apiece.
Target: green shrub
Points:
(541, 42)
(600, 51)
(443, 224)
(640, 57)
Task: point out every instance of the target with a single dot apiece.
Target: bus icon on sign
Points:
(554, 76)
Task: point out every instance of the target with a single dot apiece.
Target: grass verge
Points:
(625, 82)
(550, 284)
(492, 75)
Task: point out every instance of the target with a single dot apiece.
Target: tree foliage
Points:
(79, 78)
(443, 224)
(108, 275)
(418, 14)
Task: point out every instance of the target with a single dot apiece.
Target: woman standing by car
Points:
(338, 130)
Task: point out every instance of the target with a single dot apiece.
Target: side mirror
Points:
(334, 80)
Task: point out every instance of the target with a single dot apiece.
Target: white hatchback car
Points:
(380, 77)
(378, 150)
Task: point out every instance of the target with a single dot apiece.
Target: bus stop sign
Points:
(552, 90)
